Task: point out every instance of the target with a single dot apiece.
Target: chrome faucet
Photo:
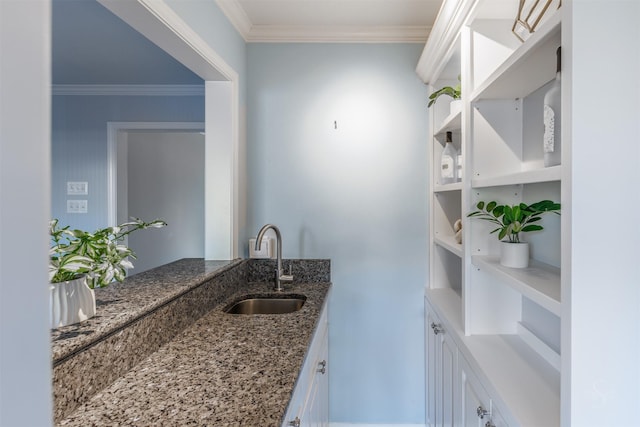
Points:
(280, 276)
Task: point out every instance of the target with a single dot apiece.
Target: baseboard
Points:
(374, 425)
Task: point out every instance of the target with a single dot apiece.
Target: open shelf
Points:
(527, 68)
(456, 186)
(539, 346)
(506, 364)
(539, 282)
(553, 173)
(453, 122)
(449, 243)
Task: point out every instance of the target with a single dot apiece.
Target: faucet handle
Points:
(288, 278)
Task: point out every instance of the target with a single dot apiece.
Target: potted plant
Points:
(453, 92)
(79, 261)
(511, 221)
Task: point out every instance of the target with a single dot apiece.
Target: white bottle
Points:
(553, 120)
(448, 164)
(459, 165)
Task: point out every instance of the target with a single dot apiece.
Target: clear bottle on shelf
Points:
(553, 119)
(448, 162)
(459, 164)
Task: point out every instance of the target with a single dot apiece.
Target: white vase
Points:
(514, 255)
(455, 106)
(71, 302)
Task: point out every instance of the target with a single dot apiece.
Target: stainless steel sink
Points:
(276, 304)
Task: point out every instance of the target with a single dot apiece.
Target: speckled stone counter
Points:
(221, 369)
(121, 303)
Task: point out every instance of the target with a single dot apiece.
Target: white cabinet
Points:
(455, 396)
(478, 410)
(316, 408)
(441, 373)
(309, 404)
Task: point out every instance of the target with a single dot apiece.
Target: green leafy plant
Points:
(99, 255)
(454, 92)
(515, 219)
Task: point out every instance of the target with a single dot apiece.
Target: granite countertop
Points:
(121, 303)
(223, 370)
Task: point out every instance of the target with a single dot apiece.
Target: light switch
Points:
(77, 188)
(77, 206)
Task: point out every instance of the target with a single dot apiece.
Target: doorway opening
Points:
(156, 170)
(161, 25)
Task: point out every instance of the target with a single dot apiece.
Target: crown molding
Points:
(128, 90)
(332, 33)
(237, 16)
(452, 16)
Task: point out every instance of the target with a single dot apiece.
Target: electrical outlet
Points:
(77, 206)
(77, 188)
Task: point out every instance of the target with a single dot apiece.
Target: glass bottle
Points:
(553, 120)
(459, 165)
(448, 162)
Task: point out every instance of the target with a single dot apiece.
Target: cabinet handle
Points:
(481, 412)
(295, 422)
(323, 367)
(437, 329)
(489, 424)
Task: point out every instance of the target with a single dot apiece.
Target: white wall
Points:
(601, 330)
(356, 195)
(25, 355)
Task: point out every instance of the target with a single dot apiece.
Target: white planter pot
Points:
(71, 302)
(514, 255)
(455, 106)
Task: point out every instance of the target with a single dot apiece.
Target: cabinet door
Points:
(323, 384)
(316, 409)
(496, 418)
(309, 405)
(431, 353)
(441, 373)
(475, 402)
(445, 413)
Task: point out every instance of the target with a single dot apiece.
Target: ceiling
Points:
(91, 46)
(332, 20)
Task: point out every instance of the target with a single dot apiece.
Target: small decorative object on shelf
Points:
(79, 261)
(448, 158)
(457, 228)
(530, 14)
(511, 221)
(553, 119)
(453, 92)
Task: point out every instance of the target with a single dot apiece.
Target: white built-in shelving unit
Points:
(505, 322)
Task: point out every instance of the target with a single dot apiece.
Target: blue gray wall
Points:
(208, 21)
(355, 194)
(79, 143)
